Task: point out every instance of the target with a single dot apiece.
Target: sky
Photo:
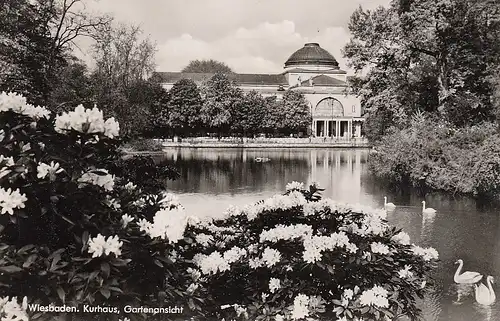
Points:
(251, 36)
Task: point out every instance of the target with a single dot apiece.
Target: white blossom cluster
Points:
(204, 239)
(6, 162)
(294, 186)
(130, 186)
(405, 273)
(126, 219)
(87, 121)
(427, 254)
(99, 245)
(167, 224)
(105, 181)
(379, 248)
(11, 310)
(282, 232)
(274, 284)
(18, 104)
(347, 296)
(211, 264)
(376, 296)
(10, 200)
(315, 245)
(402, 238)
(270, 257)
(300, 307)
(51, 170)
(169, 199)
(277, 202)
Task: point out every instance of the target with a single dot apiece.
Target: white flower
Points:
(169, 199)
(347, 296)
(11, 310)
(18, 104)
(204, 239)
(167, 224)
(112, 202)
(294, 186)
(281, 232)
(87, 121)
(402, 238)
(195, 274)
(9, 200)
(192, 287)
(106, 181)
(234, 254)
(279, 317)
(4, 163)
(130, 186)
(126, 219)
(427, 254)
(315, 245)
(300, 307)
(376, 296)
(271, 256)
(213, 263)
(379, 248)
(51, 170)
(274, 284)
(99, 245)
(405, 273)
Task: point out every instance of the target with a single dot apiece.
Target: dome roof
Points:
(312, 54)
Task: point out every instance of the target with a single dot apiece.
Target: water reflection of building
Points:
(315, 73)
(339, 172)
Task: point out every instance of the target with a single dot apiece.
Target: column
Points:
(358, 129)
(313, 128)
(327, 127)
(349, 129)
(337, 129)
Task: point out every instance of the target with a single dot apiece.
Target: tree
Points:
(71, 87)
(35, 40)
(207, 66)
(220, 96)
(248, 115)
(296, 114)
(124, 60)
(184, 107)
(433, 56)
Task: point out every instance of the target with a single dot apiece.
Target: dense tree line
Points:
(220, 107)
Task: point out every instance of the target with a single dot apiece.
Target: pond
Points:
(213, 179)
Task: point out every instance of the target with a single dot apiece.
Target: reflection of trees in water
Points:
(225, 173)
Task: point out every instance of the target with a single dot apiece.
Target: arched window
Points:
(329, 107)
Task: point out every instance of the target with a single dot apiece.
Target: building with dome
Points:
(315, 73)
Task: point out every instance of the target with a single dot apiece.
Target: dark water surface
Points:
(213, 179)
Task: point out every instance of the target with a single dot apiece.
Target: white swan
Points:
(485, 295)
(467, 277)
(388, 206)
(428, 210)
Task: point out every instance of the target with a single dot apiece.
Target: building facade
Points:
(315, 73)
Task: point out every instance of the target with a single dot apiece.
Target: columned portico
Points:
(337, 128)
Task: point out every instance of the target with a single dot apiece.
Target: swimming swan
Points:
(388, 206)
(467, 277)
(485, 295)
(428, 210)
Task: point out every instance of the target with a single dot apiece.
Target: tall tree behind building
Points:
(207, 66)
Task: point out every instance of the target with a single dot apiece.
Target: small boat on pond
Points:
(262, 159)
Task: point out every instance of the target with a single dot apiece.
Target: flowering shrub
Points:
(77, 224)
(299, 257)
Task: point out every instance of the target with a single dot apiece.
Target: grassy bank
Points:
(465, 160)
